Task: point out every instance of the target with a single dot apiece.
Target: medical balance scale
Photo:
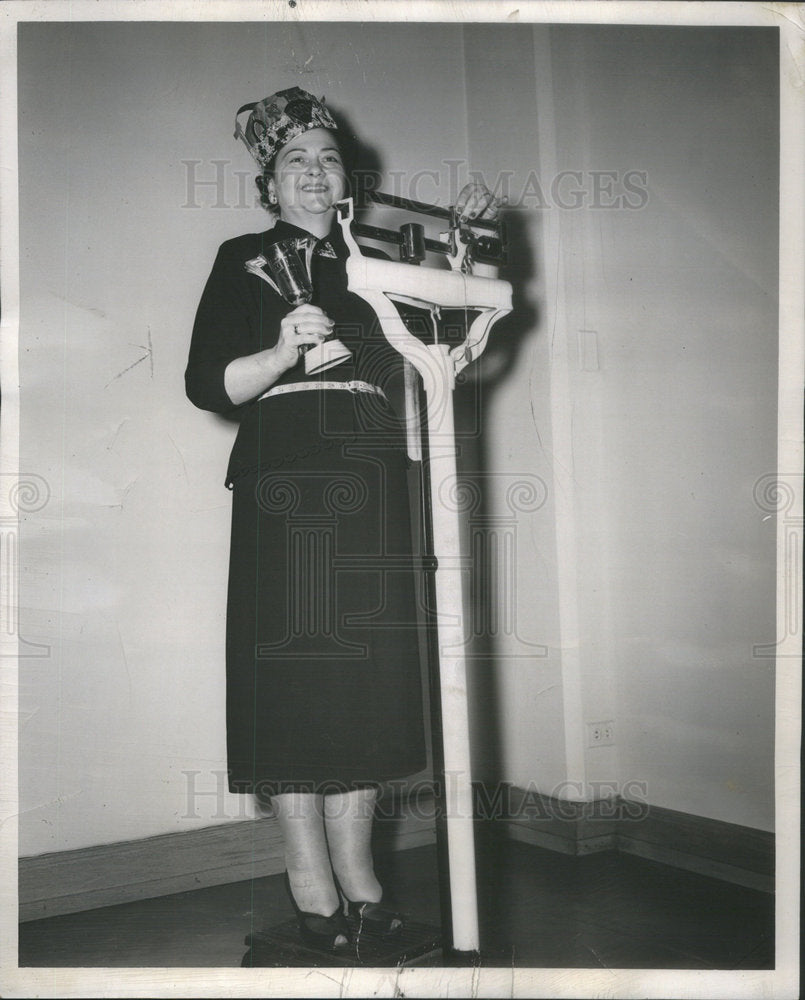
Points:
(433, 364)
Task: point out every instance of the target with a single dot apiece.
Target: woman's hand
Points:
(250, 376)
(306, 324)
(476, 201)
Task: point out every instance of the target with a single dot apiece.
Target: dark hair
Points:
(346, 149)
(261, 180)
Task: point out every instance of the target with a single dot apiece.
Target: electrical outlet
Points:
(600, 734)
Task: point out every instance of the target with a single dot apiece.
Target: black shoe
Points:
(329, 934)
(374, 918)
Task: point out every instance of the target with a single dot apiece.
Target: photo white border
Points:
(420, 982)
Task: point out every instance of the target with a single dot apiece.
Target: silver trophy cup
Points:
(290, 272)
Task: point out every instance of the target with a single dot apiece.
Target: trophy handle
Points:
(256, 266)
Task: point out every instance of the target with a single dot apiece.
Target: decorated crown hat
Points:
(278, 119)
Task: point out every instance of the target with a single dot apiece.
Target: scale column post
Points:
(457, 798)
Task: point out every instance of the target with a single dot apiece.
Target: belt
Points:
(355, 386)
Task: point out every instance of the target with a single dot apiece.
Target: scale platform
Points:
(281, 946)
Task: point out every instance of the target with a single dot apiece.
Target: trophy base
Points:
(325, 355)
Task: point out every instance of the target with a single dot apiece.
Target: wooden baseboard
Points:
(726, 851)
(706, 846)
(71, 881)
(556, 824)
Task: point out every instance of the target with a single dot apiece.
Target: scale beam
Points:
(379, 282)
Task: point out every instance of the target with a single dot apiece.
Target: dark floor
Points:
(538, 909)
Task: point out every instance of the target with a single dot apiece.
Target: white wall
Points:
(644, 573)
(676, 422)
(520, 690)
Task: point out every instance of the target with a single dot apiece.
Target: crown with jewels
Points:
(278, 119)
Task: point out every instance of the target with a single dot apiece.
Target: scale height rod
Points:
(457, 798)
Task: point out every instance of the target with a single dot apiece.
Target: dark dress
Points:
(323, 679)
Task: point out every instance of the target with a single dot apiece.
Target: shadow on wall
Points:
(487, 377)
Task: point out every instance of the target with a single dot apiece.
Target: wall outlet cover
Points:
(601, 734)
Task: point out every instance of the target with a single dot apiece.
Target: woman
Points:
(323, 675)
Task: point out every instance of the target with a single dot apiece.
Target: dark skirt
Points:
(324, 684)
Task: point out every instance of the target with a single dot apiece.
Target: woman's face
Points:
(309, 176)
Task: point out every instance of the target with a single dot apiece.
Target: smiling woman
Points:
(324, 698)
(316, 715)
(307, 180)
